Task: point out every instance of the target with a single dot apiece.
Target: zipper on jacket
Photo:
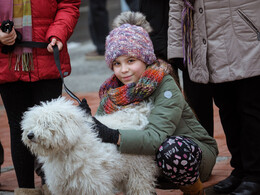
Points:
(249, 22)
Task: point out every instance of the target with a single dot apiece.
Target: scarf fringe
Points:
(187, 28)
(24, 60)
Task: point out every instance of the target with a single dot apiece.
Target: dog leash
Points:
(57, 62)
(7, 25)
(34, 44)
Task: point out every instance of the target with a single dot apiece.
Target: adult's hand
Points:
(8, 38)
(54, 41)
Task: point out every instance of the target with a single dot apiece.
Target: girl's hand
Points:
(54, 41)
(8, 38)
(84, 106)
(106, 134)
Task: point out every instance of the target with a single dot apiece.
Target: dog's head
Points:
(53, 126)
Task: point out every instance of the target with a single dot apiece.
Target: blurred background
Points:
(87, 75)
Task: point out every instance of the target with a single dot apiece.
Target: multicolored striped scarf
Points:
(187, 28)
(19, 11)
(118, 96)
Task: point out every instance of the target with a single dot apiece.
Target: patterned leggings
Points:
(179, 158)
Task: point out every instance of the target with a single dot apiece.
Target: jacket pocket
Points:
(249, 23)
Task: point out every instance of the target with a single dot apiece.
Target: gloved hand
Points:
(84, 106)
(177, 62)
(107, 134)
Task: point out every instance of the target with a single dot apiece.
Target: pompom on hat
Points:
(130, 37)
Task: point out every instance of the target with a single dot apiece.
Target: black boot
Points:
(227, 185)
(164, 184)
(247, 188)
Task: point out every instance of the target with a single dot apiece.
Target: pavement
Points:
(84, 81)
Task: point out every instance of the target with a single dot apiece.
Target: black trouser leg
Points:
(17, 97)
(98, 23)
(239, 106)
(226, 99)
(199, 96)
(249, 109)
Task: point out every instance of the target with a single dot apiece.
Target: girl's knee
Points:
(179, 158)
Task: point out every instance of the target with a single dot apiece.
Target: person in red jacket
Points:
(28, 76)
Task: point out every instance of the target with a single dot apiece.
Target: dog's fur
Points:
(75, 161)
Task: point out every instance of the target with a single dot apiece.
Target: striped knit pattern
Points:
(22, 18)
(117, 96)
(129, 40)
(187, 28)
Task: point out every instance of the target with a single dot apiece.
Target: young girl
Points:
(182, 147)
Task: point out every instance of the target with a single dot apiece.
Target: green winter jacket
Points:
(171, 115)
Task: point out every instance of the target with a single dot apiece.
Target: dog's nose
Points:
(30, 135)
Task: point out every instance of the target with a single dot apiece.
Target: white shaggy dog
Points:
(75, 161)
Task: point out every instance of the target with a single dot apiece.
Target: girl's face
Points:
(128, 69)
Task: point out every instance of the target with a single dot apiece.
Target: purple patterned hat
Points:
(129, 40)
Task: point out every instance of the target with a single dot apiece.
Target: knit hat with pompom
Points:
(130, 37)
